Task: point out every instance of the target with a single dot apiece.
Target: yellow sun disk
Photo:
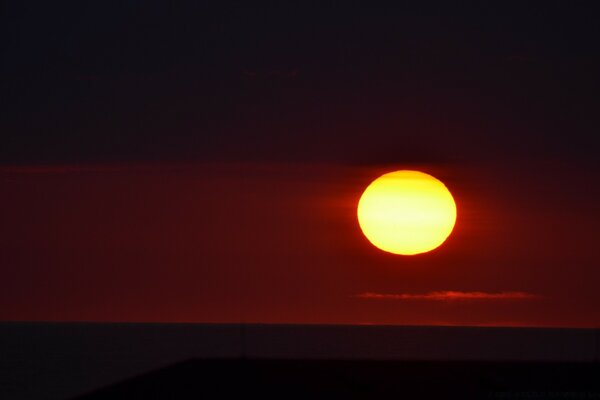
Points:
(406, 212)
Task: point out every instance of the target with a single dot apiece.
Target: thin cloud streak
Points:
(449, 295)
(68, 169)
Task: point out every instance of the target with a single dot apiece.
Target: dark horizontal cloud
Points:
(449, 295)
(59, 169)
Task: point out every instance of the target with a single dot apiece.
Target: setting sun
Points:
(406, 212)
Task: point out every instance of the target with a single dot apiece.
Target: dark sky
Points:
(178, 161)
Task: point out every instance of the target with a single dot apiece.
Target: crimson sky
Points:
(177, 161)
(281, 243)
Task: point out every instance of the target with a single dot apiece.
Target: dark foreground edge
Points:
(355, 379)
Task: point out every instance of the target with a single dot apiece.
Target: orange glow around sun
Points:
(406, 212)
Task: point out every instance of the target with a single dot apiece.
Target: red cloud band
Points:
(449, 295)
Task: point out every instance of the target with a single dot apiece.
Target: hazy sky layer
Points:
(172, 161)
(281, 243)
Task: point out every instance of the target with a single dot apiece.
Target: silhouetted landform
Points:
(353, 379)
(64, 360)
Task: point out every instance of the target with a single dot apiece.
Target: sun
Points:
(406, 212)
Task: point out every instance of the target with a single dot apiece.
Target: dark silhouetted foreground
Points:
(310, 379)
